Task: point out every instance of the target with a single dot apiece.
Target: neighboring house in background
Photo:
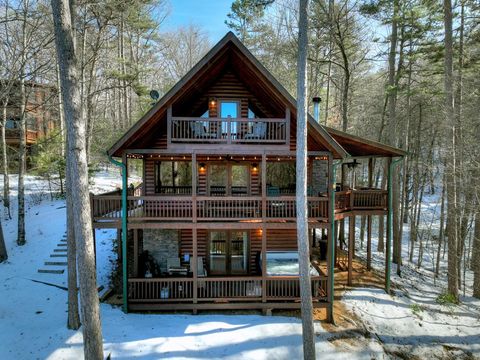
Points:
(41, 112)
(213, 225)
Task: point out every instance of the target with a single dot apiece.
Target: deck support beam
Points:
(331, 238)
(369, 218)
(388, 246)
(135, 252)
(351, 248)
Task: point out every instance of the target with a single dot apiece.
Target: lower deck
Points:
(246, 292)
(230, 271)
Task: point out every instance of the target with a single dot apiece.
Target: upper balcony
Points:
(107, 207)
(274, 131)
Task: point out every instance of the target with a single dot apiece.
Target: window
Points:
(173, 177)
(281, 178)
(11, 123)
(228, 109)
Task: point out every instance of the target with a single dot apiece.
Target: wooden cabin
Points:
(41, 109)
(213, 225)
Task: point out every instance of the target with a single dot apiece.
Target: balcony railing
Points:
(229, 131)
(212, 289)
(230, 208)
(13, 135)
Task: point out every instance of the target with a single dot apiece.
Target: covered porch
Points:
(216, 267)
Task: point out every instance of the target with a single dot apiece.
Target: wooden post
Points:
(194, 187)
(135, 252)
(195, 267)
(287, 121)
(369, 218)
(169, 124)
(194, 258)
(331, 243)
(264, 187)
(351, 246)
(388, 243)
(264, 263)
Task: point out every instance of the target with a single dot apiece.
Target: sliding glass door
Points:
(228, 252)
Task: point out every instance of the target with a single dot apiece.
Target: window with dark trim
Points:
(172, 177)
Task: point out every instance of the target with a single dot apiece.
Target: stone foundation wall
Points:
(161, 244)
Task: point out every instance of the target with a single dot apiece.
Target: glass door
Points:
(238, 252)
(239, 178)
(229, 110)
(228, 252)
(218, 252)
(218, 180)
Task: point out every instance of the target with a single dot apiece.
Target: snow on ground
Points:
(110, 178)
(33, 315)
(413, 321)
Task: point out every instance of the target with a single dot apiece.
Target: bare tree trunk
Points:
(475, 262)
(441, 233)
(6, 180)
(362, 230)
(3, 248)
(22, 147)
(73, 320)
(78, 173)
(451, 159)
(302, 220)
(61, 118)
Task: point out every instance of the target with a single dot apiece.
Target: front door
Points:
(228, 252)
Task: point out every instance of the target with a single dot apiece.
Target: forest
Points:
(401, 72)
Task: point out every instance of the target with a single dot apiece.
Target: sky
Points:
(209, 14)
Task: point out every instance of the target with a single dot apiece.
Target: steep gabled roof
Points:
(231, 46)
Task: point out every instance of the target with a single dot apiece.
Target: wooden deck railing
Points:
(372, 199)
(211, 289)
(147, 290)
(230, 130)
(31, 136)
(285, 207)
(230, 208)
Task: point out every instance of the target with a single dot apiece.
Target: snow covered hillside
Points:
(33, 312)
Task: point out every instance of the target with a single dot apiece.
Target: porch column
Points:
(264, 230)
(388, 247)
(369, 218)
(331, 239)
(169, 124)
(264, 263)
(135, 252)
(264, 187)
(194, 258)
(351, 246)
(125, 231)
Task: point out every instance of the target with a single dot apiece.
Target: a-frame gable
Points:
(231, 51)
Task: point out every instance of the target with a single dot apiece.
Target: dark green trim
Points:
(124, 230)
(331, 215)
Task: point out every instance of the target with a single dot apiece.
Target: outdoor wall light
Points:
(254, 167)
(202, 167)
